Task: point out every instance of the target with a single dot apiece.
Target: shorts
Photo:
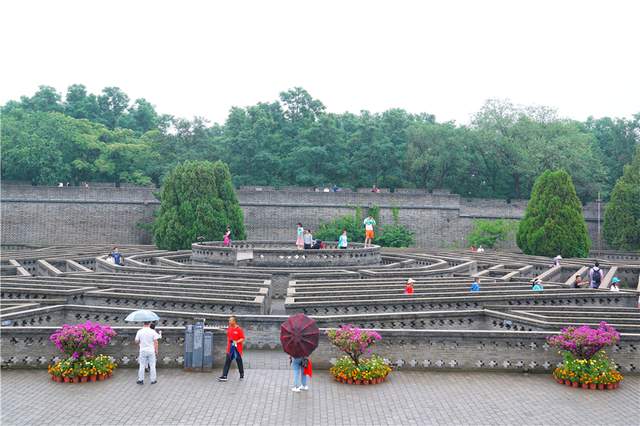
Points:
(369, 234)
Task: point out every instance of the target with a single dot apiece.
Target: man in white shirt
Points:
(147, 338)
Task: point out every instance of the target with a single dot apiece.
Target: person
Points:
(556, 260)
(408, 288)
(147, 338)
(235, 340)
(615, 284)
(473, 249)
(60, 185)
(480, 249)
(375, 189)
(326, 190)
(475, 286)
(117, 257)
(110, 259)
(536, 285)
(86, 184)
(335, 188)
(596, 275)
(155, 344)
(577, 282)
(307, 239)
(300, 365)
(342, 240)
(369, 223)
(227, 237)
(315, 244)
(299, 235)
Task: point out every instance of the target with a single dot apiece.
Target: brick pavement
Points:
(29, 397)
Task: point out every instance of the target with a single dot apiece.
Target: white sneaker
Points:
(304, 387)
(295, 389)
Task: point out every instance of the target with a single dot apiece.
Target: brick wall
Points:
(74, 215)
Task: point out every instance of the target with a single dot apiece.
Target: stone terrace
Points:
(441, 326)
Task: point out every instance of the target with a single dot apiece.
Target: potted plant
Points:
(353, 367)
(79, 343)
(585, 362)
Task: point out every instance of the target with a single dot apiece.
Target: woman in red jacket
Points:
(235, 338)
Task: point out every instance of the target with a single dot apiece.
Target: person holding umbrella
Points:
(299, 337)
(235, 338)
(147, 338)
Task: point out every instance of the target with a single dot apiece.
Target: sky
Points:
(200, 58)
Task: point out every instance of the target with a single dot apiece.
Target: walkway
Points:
(29, 397)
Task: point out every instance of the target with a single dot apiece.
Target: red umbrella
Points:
(299, 335)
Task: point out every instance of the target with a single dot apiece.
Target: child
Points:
(342, 240)
(615, 283)
(577, 283)
(537, 285)
(299, 239)
(227, 237)
(408, 289)
(475, 287)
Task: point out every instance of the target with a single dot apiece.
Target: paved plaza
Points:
(30, 398)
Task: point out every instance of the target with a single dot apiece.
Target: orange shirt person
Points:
(235, 340)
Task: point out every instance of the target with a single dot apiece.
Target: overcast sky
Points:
(201, 58)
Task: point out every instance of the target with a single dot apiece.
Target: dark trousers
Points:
(227, 365)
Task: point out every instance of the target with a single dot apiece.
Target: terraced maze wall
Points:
(441, 326)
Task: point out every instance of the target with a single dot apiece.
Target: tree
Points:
(79, 104)
(235, 216)
(488, 233)
(46, 99)
(622, 215)
(615, 142)
(191, 205)
(112, 103)
(140, 117)
(553, 222)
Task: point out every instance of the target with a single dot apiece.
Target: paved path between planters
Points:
(30, 397)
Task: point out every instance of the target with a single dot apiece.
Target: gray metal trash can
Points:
(198, 348)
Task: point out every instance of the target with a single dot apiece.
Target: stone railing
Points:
(29, 347)
(283, 254)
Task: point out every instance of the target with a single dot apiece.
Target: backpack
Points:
(596, 275)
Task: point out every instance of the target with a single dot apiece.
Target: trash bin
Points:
(198, 347)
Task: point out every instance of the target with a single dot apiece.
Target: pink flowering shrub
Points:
(353, 341)
(81, 340)
(584, 342)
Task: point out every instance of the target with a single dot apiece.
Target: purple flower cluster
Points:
(81, 339)
(584, 342)
(353, 341)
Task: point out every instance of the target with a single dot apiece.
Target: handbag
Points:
(233, 352)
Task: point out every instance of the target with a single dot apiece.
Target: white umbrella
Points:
(142, 316)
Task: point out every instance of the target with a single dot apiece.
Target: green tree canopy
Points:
(197, 200)
(553, 222)
(294, 140)
(622, 216)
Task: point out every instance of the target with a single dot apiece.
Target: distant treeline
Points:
(48, 138)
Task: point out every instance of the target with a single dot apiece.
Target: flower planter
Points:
(592, 386)
(585, 386)
(600, 386)
(84, 379)
(375, 381)
(93, 377)
(102, 376)
(610, 386)
(66, 379)
(574, 384)
(76, 379)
